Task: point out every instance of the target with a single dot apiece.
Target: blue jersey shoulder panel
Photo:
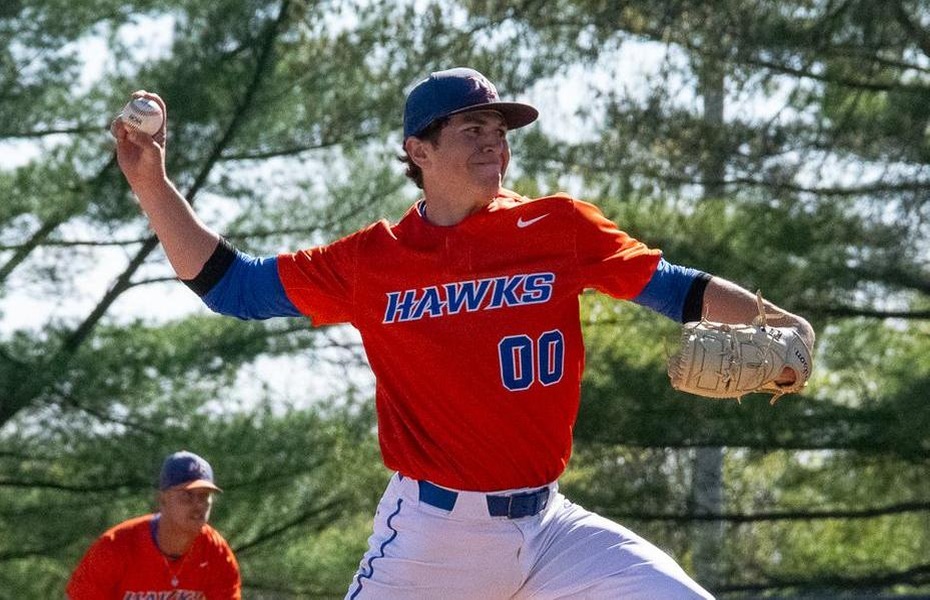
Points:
(667, 290)
(250, 289)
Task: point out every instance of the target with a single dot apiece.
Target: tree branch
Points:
(30, 387)
(324, 510)
(295, 150)
(853, 311)
(38, 238)
(860, 190)
(35, 484)
(862, 84)
(911, 28)
(787, 515)
(41, 133)
(917, 575)
(23, 250)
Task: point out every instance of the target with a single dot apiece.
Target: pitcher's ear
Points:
(417, 150)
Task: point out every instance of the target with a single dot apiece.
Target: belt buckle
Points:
(526, 504)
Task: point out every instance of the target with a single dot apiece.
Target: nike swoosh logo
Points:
(521, 223)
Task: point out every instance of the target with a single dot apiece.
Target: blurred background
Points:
(782, 145)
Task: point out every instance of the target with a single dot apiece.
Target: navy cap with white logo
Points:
(453, 91)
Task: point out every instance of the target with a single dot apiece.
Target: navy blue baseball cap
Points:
(458, 90)
(186, 471)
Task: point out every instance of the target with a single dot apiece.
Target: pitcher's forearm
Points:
(187, 241)
(726, 302)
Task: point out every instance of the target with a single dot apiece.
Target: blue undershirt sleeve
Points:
(250, 288)
(674, 291)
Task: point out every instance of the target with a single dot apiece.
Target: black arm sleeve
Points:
(694, 301)
(214, 269)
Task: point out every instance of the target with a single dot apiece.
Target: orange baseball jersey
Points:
(473, 331)
(125, 564)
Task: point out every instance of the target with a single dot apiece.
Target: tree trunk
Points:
(707, 482)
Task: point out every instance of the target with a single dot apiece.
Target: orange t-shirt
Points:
(125, 564)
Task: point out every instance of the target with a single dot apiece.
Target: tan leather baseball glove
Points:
(718, 360)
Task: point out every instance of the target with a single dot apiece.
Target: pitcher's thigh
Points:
(582, 555)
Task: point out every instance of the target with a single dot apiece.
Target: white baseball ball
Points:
(143, 114)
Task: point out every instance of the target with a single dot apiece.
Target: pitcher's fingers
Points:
(140, 138)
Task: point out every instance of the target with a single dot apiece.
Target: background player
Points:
(468, 310)
(172, 553)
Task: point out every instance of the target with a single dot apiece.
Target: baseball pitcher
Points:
(468, 308)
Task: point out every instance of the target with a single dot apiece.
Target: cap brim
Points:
(516, 114)
(199, 484)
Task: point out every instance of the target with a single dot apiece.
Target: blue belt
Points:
(514, 506)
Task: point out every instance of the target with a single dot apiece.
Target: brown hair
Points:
(431, 135)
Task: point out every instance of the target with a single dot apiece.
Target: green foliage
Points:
(283, 132)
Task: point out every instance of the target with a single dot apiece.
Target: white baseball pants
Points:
(421, 552)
